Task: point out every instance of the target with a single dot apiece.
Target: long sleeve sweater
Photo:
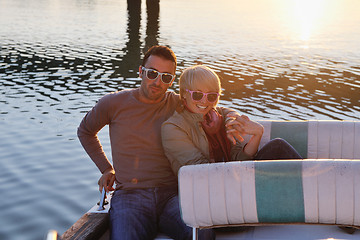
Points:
(134, 128)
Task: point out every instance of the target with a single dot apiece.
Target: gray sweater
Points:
(134, 127)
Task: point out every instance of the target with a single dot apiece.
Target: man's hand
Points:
(107, 180)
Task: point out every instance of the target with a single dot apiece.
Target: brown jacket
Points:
(185, 141)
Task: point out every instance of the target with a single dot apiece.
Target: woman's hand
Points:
(243, 125)
(239, 125)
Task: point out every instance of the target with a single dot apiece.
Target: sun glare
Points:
(307, 16)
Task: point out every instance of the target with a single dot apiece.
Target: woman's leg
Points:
(277, 148)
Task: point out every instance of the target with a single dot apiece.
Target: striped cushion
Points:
(317, 139)
(308, 191)
(297, 191)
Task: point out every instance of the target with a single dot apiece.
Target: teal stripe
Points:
(295, 133)
(279, 191)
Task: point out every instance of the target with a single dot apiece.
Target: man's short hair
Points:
(160, 51)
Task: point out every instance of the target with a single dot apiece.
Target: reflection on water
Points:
(307, 91)
(57, 58)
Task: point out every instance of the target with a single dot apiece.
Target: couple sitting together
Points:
(153, 132)
(200, 132)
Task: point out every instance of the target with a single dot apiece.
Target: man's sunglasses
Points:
(198, 95)
(153, 74)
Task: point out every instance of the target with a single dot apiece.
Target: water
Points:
(278, 59)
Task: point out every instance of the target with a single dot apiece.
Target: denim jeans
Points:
(277, 148)
(141, 213)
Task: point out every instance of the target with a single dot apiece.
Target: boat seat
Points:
(325, 191)
(322, 189)
(316, 139)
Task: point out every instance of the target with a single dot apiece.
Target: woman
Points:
(196, 133)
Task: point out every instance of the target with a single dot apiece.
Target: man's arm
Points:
(91, 124)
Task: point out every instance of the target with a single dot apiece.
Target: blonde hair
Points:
(199, 75)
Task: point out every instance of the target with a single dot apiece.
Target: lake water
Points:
(278, 59)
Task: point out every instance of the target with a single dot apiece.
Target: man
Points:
(145, 199)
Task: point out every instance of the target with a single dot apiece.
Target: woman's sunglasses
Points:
(198, 95)
(153, 74)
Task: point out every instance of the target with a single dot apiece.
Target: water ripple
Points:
(85, 49)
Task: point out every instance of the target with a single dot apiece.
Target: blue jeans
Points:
(141, 213)
(277, 148)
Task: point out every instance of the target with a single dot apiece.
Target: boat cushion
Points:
(317, 139)
(308, 191)
(325, 191)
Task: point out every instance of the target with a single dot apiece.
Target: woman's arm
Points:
(179, 147)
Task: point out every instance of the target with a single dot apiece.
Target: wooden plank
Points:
(89, 226)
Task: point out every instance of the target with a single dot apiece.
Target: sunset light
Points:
(307, 16)
(103, 101)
